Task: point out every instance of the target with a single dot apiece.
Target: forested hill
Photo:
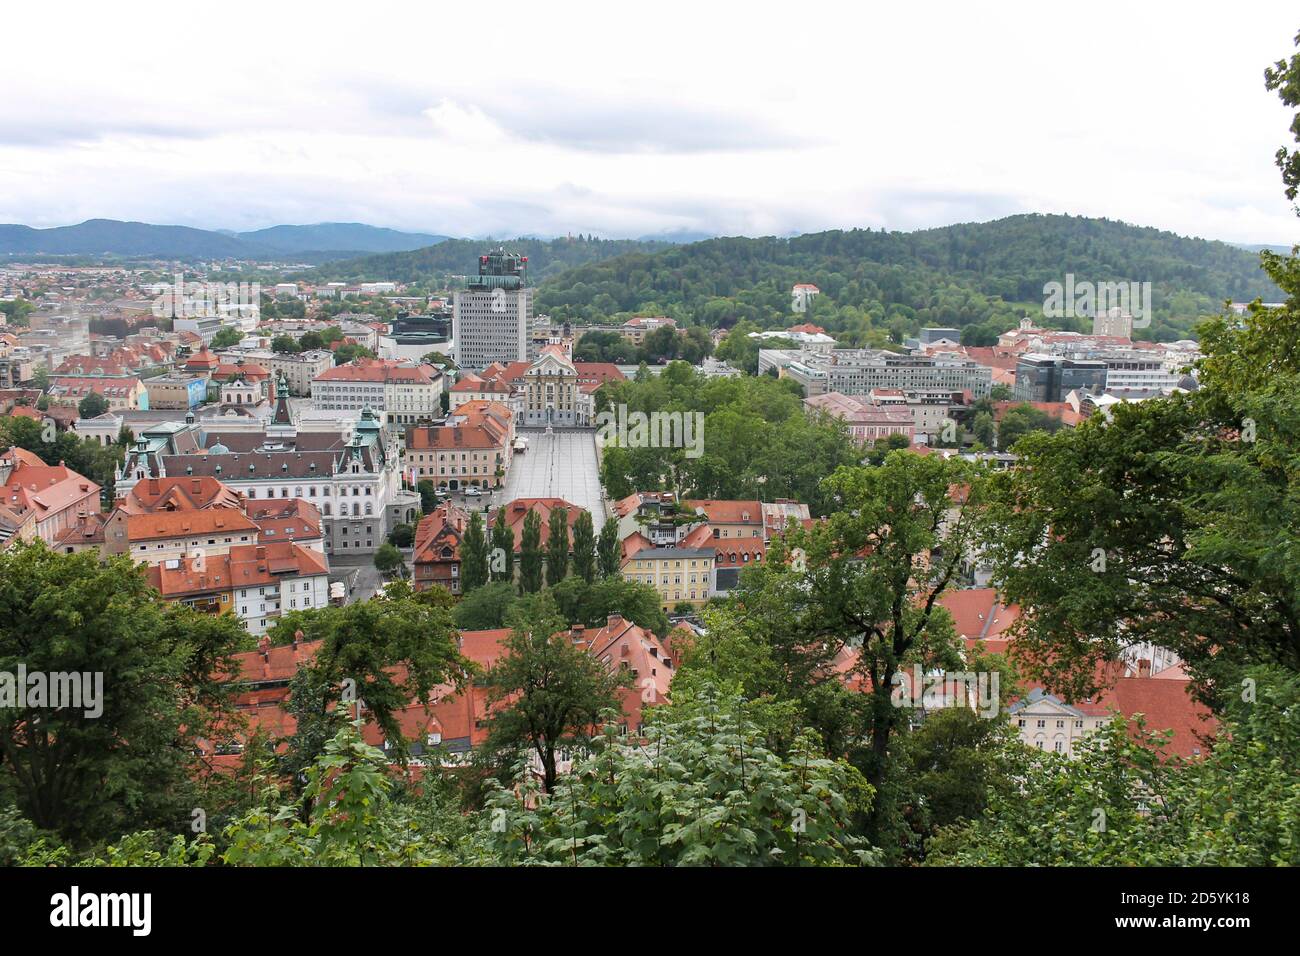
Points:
(878, 284)
(431, 265)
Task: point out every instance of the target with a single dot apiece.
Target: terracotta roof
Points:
(176, 524)
(87, 529)
(379, 370)
(977, 613)
(634, 543)
(1061, 411)
(459, 716)
(442, 528)
(179, 494)
(285, 519)
(472, 384)
(1166, 705)
(202, 359)
(40, 489)
(517, 511)
(727, 512)
(245, 566)
(481, 429)
(72, 386)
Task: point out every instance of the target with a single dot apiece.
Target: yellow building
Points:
(680, 575)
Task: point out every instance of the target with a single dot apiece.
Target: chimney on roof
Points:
(264, 648)
(1144, 668)
(297, 638)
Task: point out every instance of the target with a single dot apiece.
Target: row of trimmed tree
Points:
(488, 554)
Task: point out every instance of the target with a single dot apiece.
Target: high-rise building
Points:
(491, 318)
(1049, 378)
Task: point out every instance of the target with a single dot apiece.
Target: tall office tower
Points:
(490, 320)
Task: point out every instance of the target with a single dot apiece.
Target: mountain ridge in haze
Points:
(114, 237)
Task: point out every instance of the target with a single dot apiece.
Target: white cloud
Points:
(624, 120)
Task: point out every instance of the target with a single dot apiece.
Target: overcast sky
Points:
(626, 119)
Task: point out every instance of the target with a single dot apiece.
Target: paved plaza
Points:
(559, 465)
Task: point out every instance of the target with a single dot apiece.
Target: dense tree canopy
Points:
(756, 441)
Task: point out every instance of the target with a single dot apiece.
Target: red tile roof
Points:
(977, 613)
(186, 493)
(159, 525)
(517, 511)
(728, 512)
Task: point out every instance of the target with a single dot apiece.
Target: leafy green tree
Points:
(126, 757)
(546, 692)
(557, 546)
(486, 607)
(1021, 419)
(386, 653)
(1001, 393)
(473, 555)
(614, 467)
(1116, 802)
(984, 430)
(1284, 79)
(1086, 809)
(503, 541)
(592, 604)
(356, 816)
(17, 311)
(696, 787)
(755, 441)
(955, 758)
(867, 580)
(402, 536)
(285, 344)
(349, 351)
(1173, 521)
(609, 550)
(584, 547)
(226, 337)
(531, 557)
(92, 406)
(428, 496)
(388, 559)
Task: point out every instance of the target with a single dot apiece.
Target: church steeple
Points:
(282, 424)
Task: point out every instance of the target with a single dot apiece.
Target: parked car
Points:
(472, 492)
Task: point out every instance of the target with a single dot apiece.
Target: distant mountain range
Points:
(111, 237)
(312, 244)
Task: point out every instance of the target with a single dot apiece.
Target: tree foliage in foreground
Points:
(1115, 803)
(699, 789)
(128, 759)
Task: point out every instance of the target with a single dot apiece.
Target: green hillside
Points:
(431, 265)
(885, 285)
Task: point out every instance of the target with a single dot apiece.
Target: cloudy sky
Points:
(627, 119)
